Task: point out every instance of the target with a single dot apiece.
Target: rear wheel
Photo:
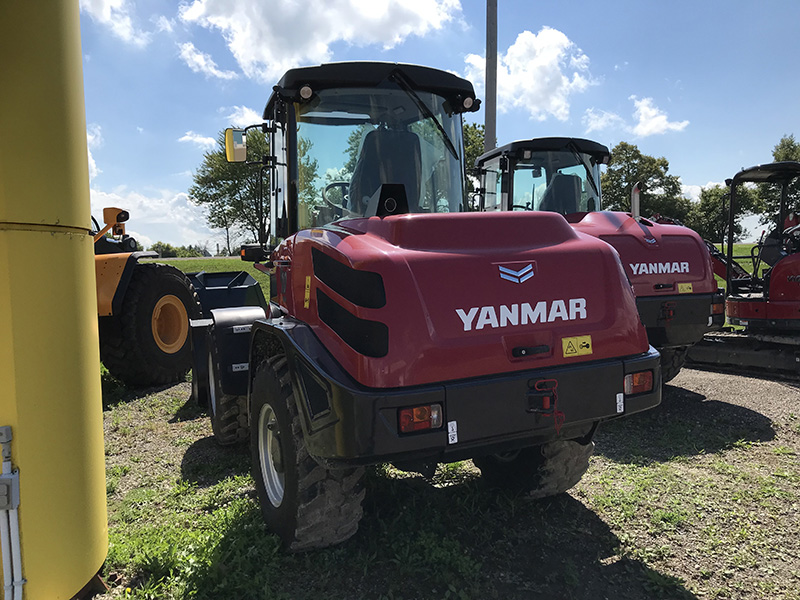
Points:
(672, 360)
(147, 343)
(539, 471)
(306, 505)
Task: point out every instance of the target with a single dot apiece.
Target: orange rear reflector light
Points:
(420, 418)
(717, 309)
(638, 383)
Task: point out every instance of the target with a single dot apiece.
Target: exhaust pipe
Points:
(636, 212)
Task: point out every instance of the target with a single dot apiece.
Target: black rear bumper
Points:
(348, 424)
(679, 320)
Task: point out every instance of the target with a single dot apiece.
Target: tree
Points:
(709, 216)
(231, 192)
(164, 250)
(660, 192)
(770, 195)
(474, 135)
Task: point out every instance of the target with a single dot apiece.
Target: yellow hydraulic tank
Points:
(49, 360)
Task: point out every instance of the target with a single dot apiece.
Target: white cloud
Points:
(650, 120)
(693, 191)
(164, 24)
(242, 116)
(204, 142)
(115, 14)
(200, 62)
(599, 120)
(538, 73)
(271, 36)
(94, 139)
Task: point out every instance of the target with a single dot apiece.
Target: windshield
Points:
(358, 146)
(562, 181)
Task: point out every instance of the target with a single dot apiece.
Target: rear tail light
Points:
(717, 309)
(420, 418)
(638, 383)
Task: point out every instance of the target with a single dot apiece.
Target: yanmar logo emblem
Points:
(520, 276)
(659, 268)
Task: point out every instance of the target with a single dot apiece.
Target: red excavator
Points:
(668, 265)
(763, 287)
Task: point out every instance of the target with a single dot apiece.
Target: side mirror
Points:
(235, 145)
(113, 218)
(254, 252)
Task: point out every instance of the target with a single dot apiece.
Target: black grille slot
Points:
(363, 288)
(370, 338)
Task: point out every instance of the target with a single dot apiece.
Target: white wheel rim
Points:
(272, 473)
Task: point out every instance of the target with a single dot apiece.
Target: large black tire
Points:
(305, 504)
(228, 412)
(539, 471)
(672, 360)
(147, 343)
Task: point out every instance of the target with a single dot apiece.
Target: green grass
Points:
(690, 500)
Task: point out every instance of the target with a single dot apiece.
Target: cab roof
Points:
(597, 151)
(777, 172)
(365, 74)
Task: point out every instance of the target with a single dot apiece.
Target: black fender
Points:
(318, 379)
(227, 332)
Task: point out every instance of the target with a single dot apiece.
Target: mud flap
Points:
(227, 332)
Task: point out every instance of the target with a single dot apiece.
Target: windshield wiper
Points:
(580, 156)
(424, 109)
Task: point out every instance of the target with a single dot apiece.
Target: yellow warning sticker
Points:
(580, 345)
(308, 291)
(684, 288)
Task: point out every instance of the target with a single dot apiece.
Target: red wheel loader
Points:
(668, 265)
(400, 329)
(763, 288)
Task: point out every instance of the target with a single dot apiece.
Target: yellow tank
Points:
(49, 359)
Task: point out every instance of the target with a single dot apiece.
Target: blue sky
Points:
(710, 85)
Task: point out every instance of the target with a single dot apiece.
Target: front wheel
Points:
(539, 471)
(147, 343)
(305, 504)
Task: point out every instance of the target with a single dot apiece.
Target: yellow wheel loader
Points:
(143, 308)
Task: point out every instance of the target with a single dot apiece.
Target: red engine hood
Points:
(659, 259)
(466, 295)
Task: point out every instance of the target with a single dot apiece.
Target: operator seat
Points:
(562, 195)
(387, 156)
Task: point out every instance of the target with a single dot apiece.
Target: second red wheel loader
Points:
(668, 265)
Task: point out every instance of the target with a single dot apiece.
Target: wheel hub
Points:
(270, 455)
(170, 324)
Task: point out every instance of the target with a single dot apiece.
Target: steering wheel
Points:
(344, 186)
(521, 206)
(791, 237)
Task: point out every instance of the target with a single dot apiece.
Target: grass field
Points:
(697, 498)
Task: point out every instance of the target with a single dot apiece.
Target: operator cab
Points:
(370, 139)
(775, 266)
(551, 174)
